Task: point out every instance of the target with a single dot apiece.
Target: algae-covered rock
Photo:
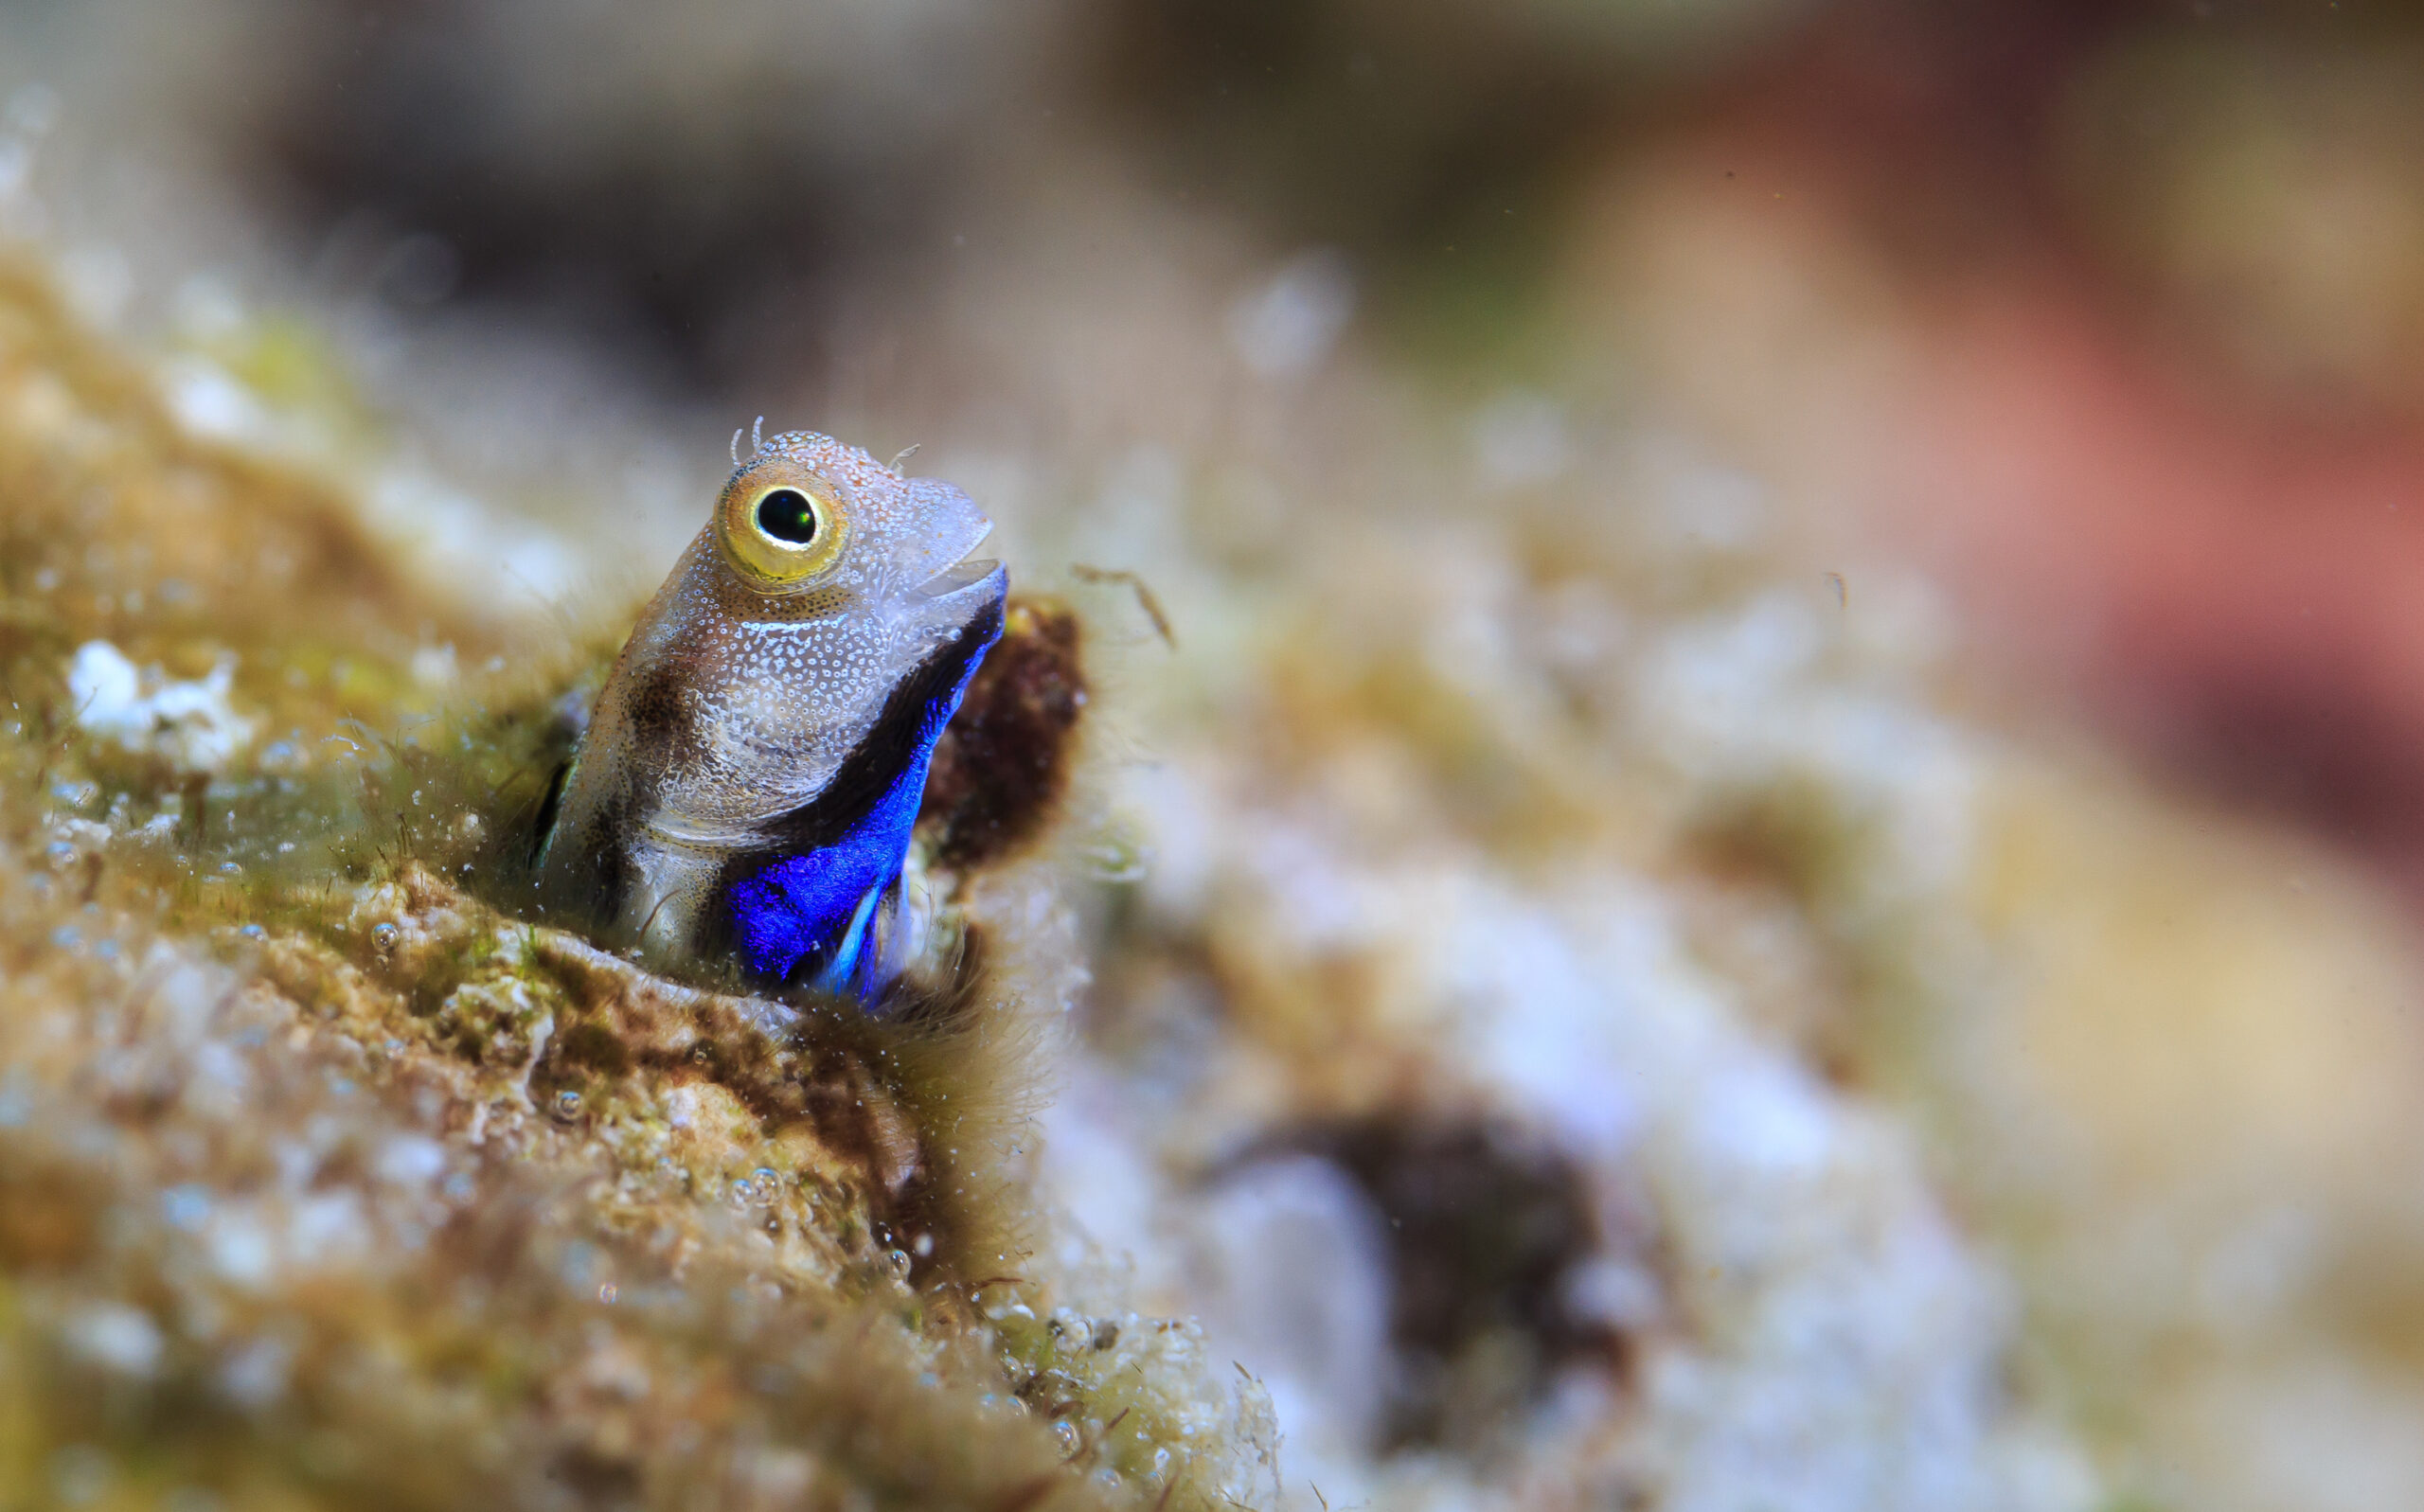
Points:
(329, 1182)
(1481, 952)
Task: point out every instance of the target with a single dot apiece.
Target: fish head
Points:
(756, 760)
(830, 606)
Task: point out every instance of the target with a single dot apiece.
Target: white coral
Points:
(190, 725)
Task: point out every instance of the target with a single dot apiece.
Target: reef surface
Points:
(329, 1182)
(1488, 980)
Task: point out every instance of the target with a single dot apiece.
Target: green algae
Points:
(331, 1181)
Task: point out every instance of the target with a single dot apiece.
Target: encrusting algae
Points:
(1586, 1011)
(325, 1181)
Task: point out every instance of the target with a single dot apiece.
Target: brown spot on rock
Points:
(46, 1222)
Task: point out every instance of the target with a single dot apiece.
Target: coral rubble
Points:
(331, 1182)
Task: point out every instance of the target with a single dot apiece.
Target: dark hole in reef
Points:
(595, 1476)
(1002, 765)
(1486, 1227)
(786, 515)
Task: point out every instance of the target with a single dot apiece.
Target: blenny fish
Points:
(745, 789)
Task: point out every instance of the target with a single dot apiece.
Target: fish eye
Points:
(780, 532)
(788, 516)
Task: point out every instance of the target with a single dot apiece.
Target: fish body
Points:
(753, 766)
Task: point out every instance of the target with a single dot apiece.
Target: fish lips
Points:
(951, 600)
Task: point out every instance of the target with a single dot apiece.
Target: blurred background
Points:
(2107, 312)
(2039, 381)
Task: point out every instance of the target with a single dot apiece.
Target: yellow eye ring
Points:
(778, 533)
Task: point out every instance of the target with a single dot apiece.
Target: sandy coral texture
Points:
(326, 1183)
(1503, 984)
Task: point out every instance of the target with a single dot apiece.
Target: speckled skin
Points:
(735, 707)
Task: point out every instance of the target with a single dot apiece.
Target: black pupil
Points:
(786, 515)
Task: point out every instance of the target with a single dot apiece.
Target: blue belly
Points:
(810, 919)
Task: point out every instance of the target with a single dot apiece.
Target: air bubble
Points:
(385, 937)
(568, 1105)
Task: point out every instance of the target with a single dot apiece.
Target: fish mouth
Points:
(959, 577)
(956, 598)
